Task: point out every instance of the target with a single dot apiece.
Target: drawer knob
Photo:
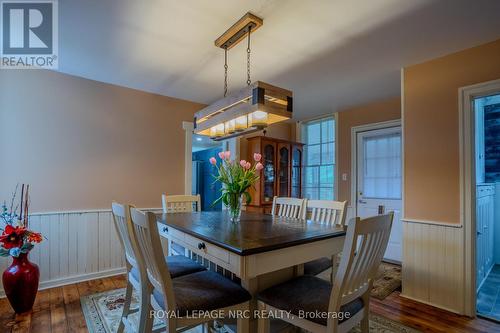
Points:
(201, 246)
(165, 229)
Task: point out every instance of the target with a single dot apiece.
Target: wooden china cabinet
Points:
(282, 173)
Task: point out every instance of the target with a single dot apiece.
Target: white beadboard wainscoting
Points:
(79, 246)
(433, 264)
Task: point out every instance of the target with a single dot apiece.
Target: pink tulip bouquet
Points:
(236, 177)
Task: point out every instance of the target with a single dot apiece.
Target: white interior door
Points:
(379, 180)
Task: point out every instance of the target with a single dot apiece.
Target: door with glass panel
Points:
(379, 181)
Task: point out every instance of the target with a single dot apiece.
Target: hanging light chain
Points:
(225, 71)
(248, 56)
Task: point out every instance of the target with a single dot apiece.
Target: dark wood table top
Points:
(255, 233)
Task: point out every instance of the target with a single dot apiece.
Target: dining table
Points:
(261, 250)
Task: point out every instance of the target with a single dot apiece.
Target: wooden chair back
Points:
(145, 233)
(180, 203)
(327, 211)
(121, 219)
(288, 207)
(359, 263)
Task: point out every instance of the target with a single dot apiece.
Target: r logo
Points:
(27, 27)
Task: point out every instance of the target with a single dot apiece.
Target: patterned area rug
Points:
(388, 280)
(103, 311)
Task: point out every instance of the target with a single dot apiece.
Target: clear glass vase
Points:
(234, 206)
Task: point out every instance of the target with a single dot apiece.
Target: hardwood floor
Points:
(58, 310)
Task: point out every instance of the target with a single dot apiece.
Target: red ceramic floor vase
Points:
(20, 282)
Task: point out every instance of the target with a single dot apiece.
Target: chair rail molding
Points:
(468, 184)
(443, 224)
(78, 246)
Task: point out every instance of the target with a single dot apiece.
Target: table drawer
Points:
(169, 232)
(204, 248)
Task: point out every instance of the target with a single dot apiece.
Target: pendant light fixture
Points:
(252, 108)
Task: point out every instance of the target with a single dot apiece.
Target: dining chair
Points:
(325, 212)
(340, 306)
(187, 295)
(136, 270)
(288, 207)
(179, 204)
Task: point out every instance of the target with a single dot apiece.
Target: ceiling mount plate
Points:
(238, 31)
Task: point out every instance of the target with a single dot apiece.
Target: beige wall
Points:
(366, 114)
(431, 142)
(81, 143)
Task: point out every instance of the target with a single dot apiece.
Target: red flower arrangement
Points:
(16, 238)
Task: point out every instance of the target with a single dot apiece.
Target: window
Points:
(382, 166)
(319, 159)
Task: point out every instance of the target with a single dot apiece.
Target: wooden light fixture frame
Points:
(239, 31)
(258, 96)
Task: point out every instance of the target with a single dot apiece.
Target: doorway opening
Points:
(376, 177)
(202, 172)
(487, 174)
(477, 119)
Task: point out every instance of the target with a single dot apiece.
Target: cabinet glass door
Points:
(268, 173)
(284, 165)
(296, 172)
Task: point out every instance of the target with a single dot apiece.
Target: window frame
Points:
(302, 133)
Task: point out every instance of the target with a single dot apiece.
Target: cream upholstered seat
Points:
(201, 291)
(136, 271)
(344, 303)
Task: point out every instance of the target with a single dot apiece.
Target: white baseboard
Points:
(76, 279)
(429, 303)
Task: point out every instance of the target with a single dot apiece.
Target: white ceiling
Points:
(331, 53)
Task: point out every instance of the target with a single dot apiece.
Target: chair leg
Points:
(243, 323)
(126, 306)
(264, 324)
(145, 320)
(365, 324)
(171, 328)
